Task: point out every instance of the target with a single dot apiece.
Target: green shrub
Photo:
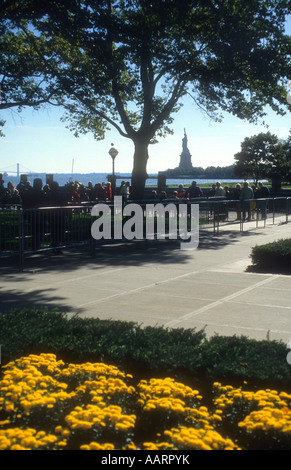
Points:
(275, 256)
(42, 330)
(184, 353)
(242, 357)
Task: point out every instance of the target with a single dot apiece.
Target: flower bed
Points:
(47, 404)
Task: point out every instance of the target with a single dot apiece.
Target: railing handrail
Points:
(213, 213)
(88, 204)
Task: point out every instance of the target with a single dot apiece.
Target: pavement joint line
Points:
(66, 281)
(194, 313)
(89, 276)
(229, 325)
(262, 305)
(49, 286)
(138, 289)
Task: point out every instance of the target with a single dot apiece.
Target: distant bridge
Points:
(19, 170)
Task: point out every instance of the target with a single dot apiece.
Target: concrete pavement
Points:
(156, 283)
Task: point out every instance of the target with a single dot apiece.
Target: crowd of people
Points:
(35, 194)
(38, 195)
(52, 195)
(241, 192)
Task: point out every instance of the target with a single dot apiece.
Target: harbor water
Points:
(84, 178)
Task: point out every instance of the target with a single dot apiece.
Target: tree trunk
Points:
(139, 172)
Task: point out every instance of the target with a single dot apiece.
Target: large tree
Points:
(259, 155)
(129, 63)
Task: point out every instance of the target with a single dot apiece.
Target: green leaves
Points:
(274, 257)
(259, 155)
(142, 349)
(128, 64)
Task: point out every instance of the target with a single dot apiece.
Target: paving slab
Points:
(157, 283)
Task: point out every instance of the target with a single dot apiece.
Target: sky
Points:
(41, 143)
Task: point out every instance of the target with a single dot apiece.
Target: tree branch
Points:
(164, 114)
(26, 102)
(148, 85)
(122, 113)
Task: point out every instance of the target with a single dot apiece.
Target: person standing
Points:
(246, 195)
(211, 192)
(180, 191)
(108, 191)
(33, 200)
(236, 197)
(124, 192)
(263, 194)
(219, 191)
(194, 191)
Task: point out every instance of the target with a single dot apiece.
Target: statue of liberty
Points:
(185, 157)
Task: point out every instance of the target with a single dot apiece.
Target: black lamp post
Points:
(113, 154)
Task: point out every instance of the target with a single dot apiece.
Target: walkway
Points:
(156, 283)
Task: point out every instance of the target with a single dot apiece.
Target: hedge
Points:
(275, 256)
(184, 353)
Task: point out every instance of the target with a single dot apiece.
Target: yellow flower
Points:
(97, 446)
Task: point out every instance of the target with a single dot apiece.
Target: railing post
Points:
(287, 208)
(214, 217)
(21, 238)
(92, 241)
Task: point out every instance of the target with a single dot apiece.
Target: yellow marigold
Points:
(4, 422)
(26, 439)
(268, 418)
(199, 439)
(169, 403)
(97, 446)
(150, 446)
(131, 446)
(166, 387)
(93, 415)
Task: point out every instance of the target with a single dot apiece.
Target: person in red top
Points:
(181, 191)
(76, 193)
(108, 191)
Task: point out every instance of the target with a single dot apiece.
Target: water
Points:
(64, 178)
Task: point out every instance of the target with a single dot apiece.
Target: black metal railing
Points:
(50, 228)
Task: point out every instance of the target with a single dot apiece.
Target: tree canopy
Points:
(127, 64)
(262, 156)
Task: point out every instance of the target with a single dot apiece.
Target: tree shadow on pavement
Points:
(129, 253)
(32, 293)
(223, 238)
(37, 298)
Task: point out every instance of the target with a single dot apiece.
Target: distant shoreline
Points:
(84, 178)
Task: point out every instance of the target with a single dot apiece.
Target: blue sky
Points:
(40, 142)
